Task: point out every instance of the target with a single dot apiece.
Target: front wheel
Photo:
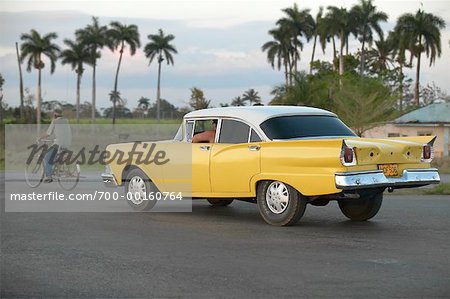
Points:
(140, 191)
(279, 204)
(362, 209)
(34, 172)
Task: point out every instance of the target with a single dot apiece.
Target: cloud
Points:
(220, 61)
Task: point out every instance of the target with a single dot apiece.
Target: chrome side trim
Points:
(376, 178)
(109, 180)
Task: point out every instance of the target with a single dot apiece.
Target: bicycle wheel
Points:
(34, 172)
(68, 175)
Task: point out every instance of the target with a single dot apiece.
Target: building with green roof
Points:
(431, 120)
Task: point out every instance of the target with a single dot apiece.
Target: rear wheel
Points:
(362, 209)
(68, 175)
(220, 202)
(140, 191)
(280, 204)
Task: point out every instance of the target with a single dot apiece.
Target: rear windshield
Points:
(304, 126)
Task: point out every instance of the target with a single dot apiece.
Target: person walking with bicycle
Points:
(63, 139)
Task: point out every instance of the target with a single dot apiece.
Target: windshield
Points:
(179, 134)
(305, 126)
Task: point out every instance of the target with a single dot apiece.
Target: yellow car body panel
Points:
(119, 169)
(232, 167)
(233, 170)
(307, 165)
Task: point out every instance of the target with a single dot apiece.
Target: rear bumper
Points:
(376, 178)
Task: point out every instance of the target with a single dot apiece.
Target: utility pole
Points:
(21, 81)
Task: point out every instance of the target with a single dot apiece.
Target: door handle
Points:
(254, 147)
(205, 147)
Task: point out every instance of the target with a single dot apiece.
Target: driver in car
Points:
(206, 136)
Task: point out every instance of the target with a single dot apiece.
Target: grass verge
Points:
(442, 164)
(441, 189)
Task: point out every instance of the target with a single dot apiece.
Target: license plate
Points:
(389, 169)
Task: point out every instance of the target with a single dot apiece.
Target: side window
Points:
(424, 133)
(189, 128)
(254, 136)
(204, 131)
(233, 131)
(203, 125)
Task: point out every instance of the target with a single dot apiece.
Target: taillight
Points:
(427, 153)
(348, 156)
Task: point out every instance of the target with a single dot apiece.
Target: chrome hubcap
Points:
(277, 197)
(137, 190)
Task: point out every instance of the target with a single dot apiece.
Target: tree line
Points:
(377, 67)
(144, 107)
(413, 36)
(84, 50)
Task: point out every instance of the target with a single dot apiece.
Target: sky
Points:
(218, 42)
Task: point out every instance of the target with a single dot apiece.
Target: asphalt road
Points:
(229, 252)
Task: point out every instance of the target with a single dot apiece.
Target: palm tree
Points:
(33, 47)
(400, 43)
(120, 36)
(22, 112)
(317, 32)
(251, 96)
(299, 23)
(423, 33)
(327, 33)
(380, 58)
(76, 55)
(238, 101)
(341, 21)
(95, 38)
(278, 51)
(161, 48)
(143, 104)
(368, 19)
(114, 96)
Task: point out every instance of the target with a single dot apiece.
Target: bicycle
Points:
(67, 174)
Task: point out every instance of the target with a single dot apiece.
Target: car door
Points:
(200, 168)
(235, 158)
(201, 184)
(188, 169)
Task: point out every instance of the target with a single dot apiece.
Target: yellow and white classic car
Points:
(279, 157)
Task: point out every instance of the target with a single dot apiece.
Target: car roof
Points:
(257, 114)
